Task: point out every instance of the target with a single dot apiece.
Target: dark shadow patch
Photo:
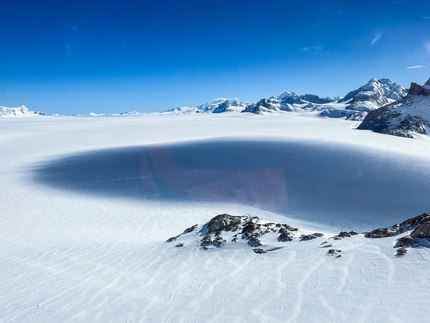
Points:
(292, 178)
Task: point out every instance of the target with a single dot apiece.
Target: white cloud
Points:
(415, 66)
(375, 39)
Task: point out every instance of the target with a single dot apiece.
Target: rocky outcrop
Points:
(423, 231)
(407, 117)
(225, 228)
(399, 228)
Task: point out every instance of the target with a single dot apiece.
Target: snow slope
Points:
(87, 204)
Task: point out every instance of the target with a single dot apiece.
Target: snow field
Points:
(73, 250)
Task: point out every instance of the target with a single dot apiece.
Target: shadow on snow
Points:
(307, 181)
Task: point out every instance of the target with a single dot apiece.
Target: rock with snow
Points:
(225, 228)
(423, 231)
(399, 228)
(373, 95)
(216, 106)
(21, 111)
(407, 117)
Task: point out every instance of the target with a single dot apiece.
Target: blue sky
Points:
(114, 56)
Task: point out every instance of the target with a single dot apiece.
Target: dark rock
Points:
(344, 234)
(219, 242)
(206, 241)
(284, 235)
(222, 222)
(289, 228)
(326, 246)
(338, 256)
(172, 239)
(254, 242)
(416, 89)
(333, 251)
(249, 227)
(423, 231)
(405, 241)
(190, 229)
(315, 99)
(396, 229)
(179, 245)
(401, 252)
(259, 250)
(305, 237)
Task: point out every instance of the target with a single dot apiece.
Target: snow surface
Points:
(87, 204)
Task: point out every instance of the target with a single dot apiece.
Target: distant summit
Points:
(21, 111)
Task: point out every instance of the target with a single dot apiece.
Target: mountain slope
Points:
(407, 117)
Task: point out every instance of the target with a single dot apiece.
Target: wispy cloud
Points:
(427, 17)
(309, 48)
(415, 66)
(375, 39)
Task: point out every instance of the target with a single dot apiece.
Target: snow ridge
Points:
(21, 111)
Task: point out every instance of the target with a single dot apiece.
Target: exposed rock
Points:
(225, 222)
(259, 250)
(172, 239)
(179, 245)
(396, 229)
(254, 242)
(344, 234)
(333, 251)
(190, 229)
(405, 241)
(423, 231)
(405, 118)
(315, 235)
(284, 235)
(401, 252)
(315, 99)
(219, 241)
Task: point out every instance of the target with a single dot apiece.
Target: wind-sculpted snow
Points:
(344, 184)
(88, 203)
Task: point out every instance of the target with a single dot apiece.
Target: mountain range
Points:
(382, 105)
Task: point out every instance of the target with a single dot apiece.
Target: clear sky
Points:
(86, 56)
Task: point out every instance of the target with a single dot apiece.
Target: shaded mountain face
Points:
(407, 117)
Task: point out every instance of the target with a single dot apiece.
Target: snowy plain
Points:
(88, 202)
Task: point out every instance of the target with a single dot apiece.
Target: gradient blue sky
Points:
(114, 56)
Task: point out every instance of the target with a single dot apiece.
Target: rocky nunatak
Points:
(250, 229)
(419, 225)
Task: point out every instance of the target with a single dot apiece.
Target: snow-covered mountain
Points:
(217, 106)
(21, 111)
(406, 117)
(354, 106)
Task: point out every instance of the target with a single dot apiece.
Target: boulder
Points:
(423, 231)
